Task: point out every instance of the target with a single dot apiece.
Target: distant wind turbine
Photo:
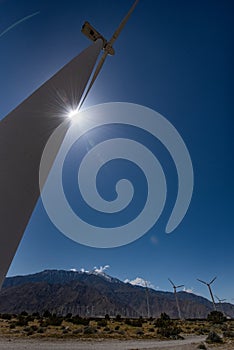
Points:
(175, 293)
(147, 299)
(221, 303)
(209, 287)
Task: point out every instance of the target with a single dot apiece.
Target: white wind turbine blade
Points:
(122, 24)
(97, 71)
(106, 48)
(201, 281)
(171, 282)
(213, 280)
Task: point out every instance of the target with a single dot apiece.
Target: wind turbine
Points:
(93, 35)
(175, 293)
(220, 303)
(209, 287)
(25, 131)
(147, 298)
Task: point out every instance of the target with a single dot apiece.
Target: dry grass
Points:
(40, 327)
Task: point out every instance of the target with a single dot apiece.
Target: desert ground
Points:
(50, 332)
(190, 343)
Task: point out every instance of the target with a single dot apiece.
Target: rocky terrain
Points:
(91, 294)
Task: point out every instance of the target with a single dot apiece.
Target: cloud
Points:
(138, 281)
(101, 269)
(190, 290)
(83, 270)
(73, 270)
(96, 270)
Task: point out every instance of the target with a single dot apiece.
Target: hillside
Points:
(91, 294)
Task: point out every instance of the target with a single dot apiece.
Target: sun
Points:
(73, 113)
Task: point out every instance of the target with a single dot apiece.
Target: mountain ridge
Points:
(95, 294)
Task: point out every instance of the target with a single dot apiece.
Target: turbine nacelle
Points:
(207, 283)
(90, 32)
(174, 286)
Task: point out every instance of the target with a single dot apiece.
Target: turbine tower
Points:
(209, 287)
(175, 293)
(147, 299)
(221, 303)
(25, 131)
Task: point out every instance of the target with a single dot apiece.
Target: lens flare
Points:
(73, 113)
(84, 232)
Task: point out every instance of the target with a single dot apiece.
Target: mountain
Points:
(95, 294)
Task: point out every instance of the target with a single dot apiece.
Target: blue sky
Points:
(174, 57)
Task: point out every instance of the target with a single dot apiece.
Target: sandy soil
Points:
(190, 343)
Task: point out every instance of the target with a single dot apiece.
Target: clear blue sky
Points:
(175, 57)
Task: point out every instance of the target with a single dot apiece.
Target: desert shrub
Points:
(30, 318)
(216, 317)
(137, 323)
(43, 323)
(41, 330)
(107, 317)
(51, 321)
(22, 321)
(163, 321)
(164, 316)
(128, 321)
(224, 327)
(213, 337)
(140, 332)
(228, 334)
(134, 323)
(6, 316)
(121, 332)
(202, 346)
(102, 323)
(90, 330)
(106, 329)
(151, 329)
(118, 318)
(116, 328)
(30, 333)
(170, 332)
(47, 314)
(55, 321)
(201, 330)
(24, 313)
(27, 329)
(80, 320)
(77, 331)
